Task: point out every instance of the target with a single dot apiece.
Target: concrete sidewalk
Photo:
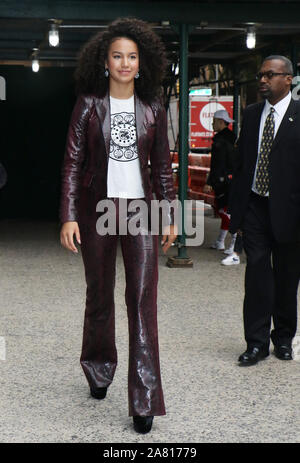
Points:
(209, 398)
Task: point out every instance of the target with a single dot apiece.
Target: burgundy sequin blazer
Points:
(84, 172)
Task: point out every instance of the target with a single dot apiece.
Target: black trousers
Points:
(271, 279)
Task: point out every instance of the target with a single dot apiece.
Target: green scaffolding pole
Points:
(182, 259)
(294, 57)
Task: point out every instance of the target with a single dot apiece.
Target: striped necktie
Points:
(262, 172)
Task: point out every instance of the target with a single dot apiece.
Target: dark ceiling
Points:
(217, 35)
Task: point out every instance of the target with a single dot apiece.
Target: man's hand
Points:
(207, 189)
(68, 230)
(169, 236)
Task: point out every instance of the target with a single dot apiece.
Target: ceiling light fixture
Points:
(251, 37)
(54, 35)
(35, 65)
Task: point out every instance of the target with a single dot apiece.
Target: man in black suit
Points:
(265, 207)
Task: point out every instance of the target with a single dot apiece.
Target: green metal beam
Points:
(182, 260)
(295, 57)
(176, 12)
(236, 93)
(183, 128)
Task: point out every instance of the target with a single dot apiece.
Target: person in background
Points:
(220, 175)
(234, 257)
(265, 208)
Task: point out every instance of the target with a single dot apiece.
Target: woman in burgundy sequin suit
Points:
(117, 126)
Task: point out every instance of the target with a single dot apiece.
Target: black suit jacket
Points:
(284, 172)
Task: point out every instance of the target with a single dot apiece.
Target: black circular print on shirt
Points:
(123, 137)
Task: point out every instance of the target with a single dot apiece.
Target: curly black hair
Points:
(89, 74)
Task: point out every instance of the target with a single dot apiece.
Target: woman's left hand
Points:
(169, 236)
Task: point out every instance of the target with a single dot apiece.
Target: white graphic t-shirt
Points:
(124, 178)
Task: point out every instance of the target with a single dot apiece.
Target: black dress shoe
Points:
(99, 392)
(252, 355)
(283, 352)
(142, 424)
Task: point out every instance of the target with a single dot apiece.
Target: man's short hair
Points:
(287, 63)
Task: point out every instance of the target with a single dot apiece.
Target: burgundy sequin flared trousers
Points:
(99, 353)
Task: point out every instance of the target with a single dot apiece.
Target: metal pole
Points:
(236, 109)
(183, 128)
(294, 58)
(182, 259)
(217, 80)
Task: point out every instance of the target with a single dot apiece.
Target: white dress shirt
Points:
(280, 110)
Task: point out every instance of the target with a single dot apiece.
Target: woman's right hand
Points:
(68, 230)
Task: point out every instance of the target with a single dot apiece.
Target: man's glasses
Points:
(270, 74)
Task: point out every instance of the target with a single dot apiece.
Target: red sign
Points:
(202, 110)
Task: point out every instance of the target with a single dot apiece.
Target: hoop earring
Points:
(106, 73)
(137, 75)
